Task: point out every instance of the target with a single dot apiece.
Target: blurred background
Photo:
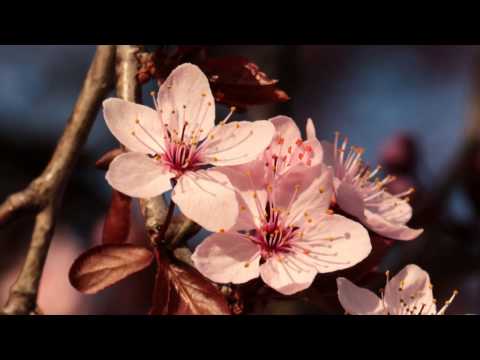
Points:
(409, 106)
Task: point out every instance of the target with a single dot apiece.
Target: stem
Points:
(44, 194)
(168, 219)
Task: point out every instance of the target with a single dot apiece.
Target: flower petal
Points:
(250, 187)
(350, 200)
(304, 191)
(378, 224)
(328, 153)
(314, 143)
(237, 143)
(185, 96)
(137, 175)
(334, 242)
(208, 198)
(286, 128)
(410, 289)
(285, 276)
(227, 258)
(358, 301)
(144, 136)
(310, 128)
(391, 208)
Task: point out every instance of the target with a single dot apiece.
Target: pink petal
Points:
(286, 128)
(207, 197)
(350, 200)
(414, 282)
(138, 176)
(378, 224)
(328, 153)
(358, 301)
(287, 279)
(250, 191)
(237, 143)
(121, 117)
(304, 190)
(399, 213)
(311, 133)
(227, 258)
(334, 242)
(185, 96)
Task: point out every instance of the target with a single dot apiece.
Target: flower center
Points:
(273, 236)
(181, 157)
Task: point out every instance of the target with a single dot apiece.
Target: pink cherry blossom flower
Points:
(288, 149)
(359, 193)
(407, 293)
(285, 232)
(178, 141)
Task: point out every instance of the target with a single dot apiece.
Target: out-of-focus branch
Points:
(460, 168)
(44, 194)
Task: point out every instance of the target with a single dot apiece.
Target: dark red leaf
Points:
(104, 265)
(235, 80)
(104, 162)
(117, 221)
(182, 290)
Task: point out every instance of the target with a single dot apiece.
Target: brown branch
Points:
(44, 194)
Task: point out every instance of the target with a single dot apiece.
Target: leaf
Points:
(116, 227)
(235, 80)
(182, 290)
(105, 265)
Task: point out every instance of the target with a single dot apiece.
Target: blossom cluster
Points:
(278, 207)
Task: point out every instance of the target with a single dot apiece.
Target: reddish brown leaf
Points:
(105, 265)
(117, 221)
(182, 290)
(104, 162)
(235, 80)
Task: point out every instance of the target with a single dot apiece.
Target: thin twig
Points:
(44, 194)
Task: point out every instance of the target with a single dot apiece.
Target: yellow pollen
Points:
(237, 126)
(247, 265)
(173, 111)
(133, 133)
(221, 230)
(137, 121)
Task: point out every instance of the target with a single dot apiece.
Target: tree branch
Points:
(44, 194)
